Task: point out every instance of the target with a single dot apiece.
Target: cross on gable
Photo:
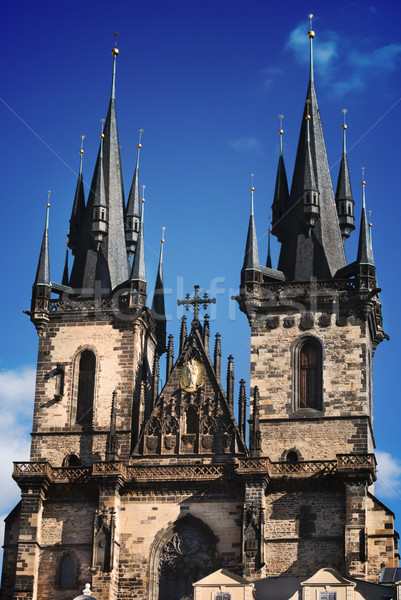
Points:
(196, 302)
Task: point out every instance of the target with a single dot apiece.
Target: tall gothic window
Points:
(191, 419)
(86, 387)
(189, 555)
(67, 572)
(309, 375)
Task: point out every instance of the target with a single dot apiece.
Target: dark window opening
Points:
(86, 387)
(67, 572)
(310, 366)
(292, 457)
(71, 460)
(191, 419)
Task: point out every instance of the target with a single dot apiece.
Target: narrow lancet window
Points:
(86, 387)
(310, 375)
(67, 572)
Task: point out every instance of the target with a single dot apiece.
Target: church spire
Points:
(311, 35)
(251, 258)
(366, 270)
(269, 258)
(281, 195)
(100, 257)
(132, 212)
(65, 278)
(344, 199)
(43, 270)
(321, 254)
(158, 306)
(138, 271)
(99, 209)
(78, 207)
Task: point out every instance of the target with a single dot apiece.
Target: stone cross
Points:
(196, 301)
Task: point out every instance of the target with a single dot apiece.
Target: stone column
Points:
(253, 530)
(28, 545)
(106, 541)
(355, 529)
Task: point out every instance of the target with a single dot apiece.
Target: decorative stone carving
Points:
(103, 539)
(272, 322)
(207, 442)
(192, 375)
(288, 322)
(324, 320)
(341, 321)
(152, 442)
(307, 321)
(170, 442)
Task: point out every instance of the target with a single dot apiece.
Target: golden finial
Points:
(139, 145)
(48, 198)
(370, 217)
(281, 131)
(311, 33)
(269, 228)
(115, 50)
(252, 188)
(363, 176)
(307, 102)
(344, 111)
(143, 194)
(102, 127)
(162, 240)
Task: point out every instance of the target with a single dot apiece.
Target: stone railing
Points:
(177, 472)
(343, 462)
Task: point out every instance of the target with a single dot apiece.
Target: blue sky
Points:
(206, 81)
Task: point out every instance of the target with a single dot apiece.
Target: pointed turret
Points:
(255, 440)
(100, 220)
(43, 270)
(78, 207)
(183, 332)
(132, 211)
(65, 278)
(158, 307)
(269, 258)
(41, 289)
(170, 355)
(344, 199)
(217, 357)
(99, 257)
(206, 334)
(366, 270)
(242, 408)
(230, 382)
(138, 272)
(251, 258)
(311, 209)
(321, 254)
(281, 194)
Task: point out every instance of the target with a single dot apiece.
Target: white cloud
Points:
(269, 75)
(324, 52)
(246, 144)
(388, 483)
(17, 389)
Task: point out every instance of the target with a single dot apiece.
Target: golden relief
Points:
(192, 375)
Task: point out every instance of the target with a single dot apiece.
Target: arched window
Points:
(191, 420)
(71, 460)
(86, 387)
(308, 374)
(187, 556)
(292, 457)
(67, 572)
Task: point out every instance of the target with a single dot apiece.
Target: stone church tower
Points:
(142, 491)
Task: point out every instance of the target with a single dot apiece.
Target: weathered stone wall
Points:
(304, 530)
(381, 541)
(346, 351)
(120, 349)
(145, 514)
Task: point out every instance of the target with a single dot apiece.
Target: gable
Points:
(191, 416)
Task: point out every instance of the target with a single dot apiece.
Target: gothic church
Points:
(141, 491)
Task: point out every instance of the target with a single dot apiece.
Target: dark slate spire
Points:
(255, 441)
(344, 199)
(99, 204)
(183, 332)
(206, 334)
(170, 355)
(132, 211)
(43, 270)
(158, 307)
(78, 207)
(322, 254)
(138, 272)
(251, 258)
(365, 252)
(106, 260)
(269, 258)
(111, 447)
(65, 278)
(217, 357)
(281, 194)
(311, 209)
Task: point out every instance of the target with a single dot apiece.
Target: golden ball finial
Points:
(252, 188)
(48, 205)
(345, 126)
(311, 34)
(281, 131)
(139, 145)
(115, 51)
(81, 151)
(101, 135)
(307, 117)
